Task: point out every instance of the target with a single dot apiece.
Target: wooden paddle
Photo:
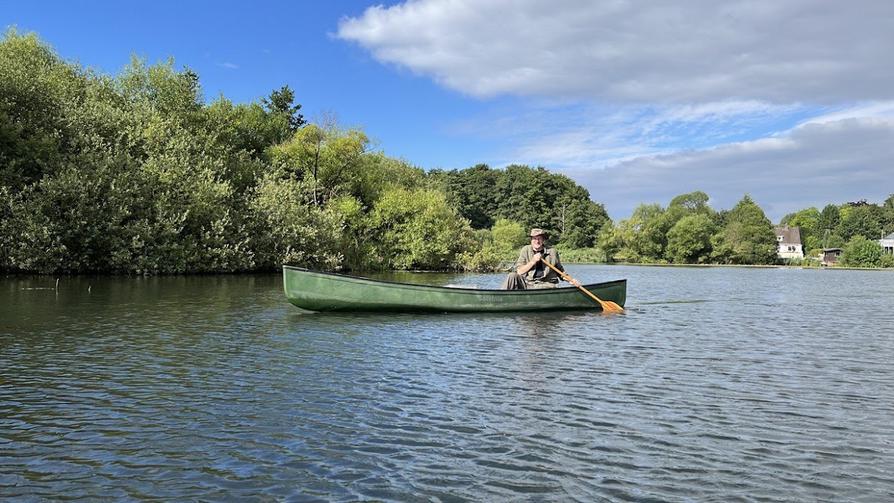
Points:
(607, 305)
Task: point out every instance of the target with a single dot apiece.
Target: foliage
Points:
(747, 236)
(861, 252)
(689, 240)
(282, 103)
(487, 258)
(693, 203)
(509, 236)
(835, 225)
(646, 235)
(292, 230)
(136, 173)
(860, 220)
(808, 221)
(533, 197)
(583, 222)
(594, 255)
(473, 192)
(416, 229)
(496, 248)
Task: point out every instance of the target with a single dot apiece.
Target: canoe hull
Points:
(317, 291)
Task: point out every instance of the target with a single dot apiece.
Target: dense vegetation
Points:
(688, 231)
(136, 173)
(856, 227)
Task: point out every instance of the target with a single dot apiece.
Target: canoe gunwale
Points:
(539, 291)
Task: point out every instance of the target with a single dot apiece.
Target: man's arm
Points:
(522, 266)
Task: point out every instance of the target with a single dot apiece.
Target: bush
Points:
(861, 252)
(417, 229)
(488, 258)
(289, 229)
(594, 255)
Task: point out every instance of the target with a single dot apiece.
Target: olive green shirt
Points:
(549, 276)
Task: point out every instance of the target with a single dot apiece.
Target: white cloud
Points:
(595, 136)
(790, 101)
(814, 164)
(699, 51)
(228, 65)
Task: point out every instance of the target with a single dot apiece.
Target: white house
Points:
(887, 243)
(788, 241)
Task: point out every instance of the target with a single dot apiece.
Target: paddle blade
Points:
(611, 307)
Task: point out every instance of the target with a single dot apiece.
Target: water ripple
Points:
(215, 389)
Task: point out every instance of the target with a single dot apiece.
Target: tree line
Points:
(137, 174)
(855, 227)
(688, 231)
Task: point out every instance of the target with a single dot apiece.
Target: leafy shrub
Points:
(861, 252)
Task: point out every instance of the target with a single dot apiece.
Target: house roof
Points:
(889, 236)
(790, 235)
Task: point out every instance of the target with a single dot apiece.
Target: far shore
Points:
(366, 273)
(752, 266)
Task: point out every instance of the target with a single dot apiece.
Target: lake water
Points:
(718, 384)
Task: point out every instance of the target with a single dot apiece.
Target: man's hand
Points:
(537, 258)
(575, 282)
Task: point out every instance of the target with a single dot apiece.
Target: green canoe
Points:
(320, 291)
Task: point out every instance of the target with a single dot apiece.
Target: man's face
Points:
(537, 242)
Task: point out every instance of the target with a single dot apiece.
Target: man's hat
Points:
(538, 232)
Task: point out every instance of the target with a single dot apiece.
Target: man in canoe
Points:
(530, 271)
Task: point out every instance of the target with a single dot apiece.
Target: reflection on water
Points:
(717, 384)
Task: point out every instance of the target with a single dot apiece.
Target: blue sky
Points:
(791, 102)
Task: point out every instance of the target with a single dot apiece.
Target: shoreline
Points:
(370, 274)
(749, 266)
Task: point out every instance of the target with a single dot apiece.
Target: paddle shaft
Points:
(607, 305)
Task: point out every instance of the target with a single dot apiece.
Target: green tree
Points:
(646, 235)
(829, 219)
(36, 90)
(509, 236)
(693, 202)
(417, 229)
(747, 236)
(534, 197)
(327, 159)
(611, 240)
(860, 219)
(888, 215)
(473, 191)
(282, 102)
(689, 240)
(861, 252)
(162, 91)
(582, 223)
(246, 127)
(808, 221)
(377, 173)
(291, 229)
(495, 248)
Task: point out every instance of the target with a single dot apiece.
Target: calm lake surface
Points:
(719, 384)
